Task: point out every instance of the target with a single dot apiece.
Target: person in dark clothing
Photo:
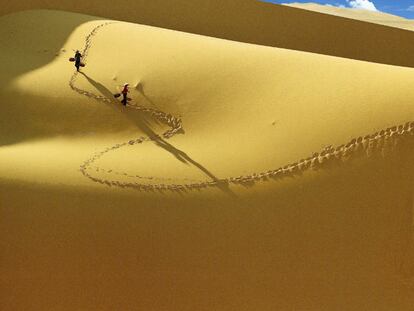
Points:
(125, 94)
(77, 57)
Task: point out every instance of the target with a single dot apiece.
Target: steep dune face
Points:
(278, 26)
(86, 224)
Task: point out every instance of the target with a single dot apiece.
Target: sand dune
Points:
(363, 15)
(240, 176)
(278, 25)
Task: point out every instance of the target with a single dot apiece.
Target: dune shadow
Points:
(24, 50)
(143, 121)
(342, 238)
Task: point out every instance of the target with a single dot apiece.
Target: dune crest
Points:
(363, 15)
(278, 25)
(383, 141)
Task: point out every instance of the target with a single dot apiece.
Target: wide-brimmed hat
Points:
(125, 84)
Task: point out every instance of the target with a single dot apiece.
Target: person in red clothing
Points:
(125, 94)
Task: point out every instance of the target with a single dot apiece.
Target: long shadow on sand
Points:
(142, 121)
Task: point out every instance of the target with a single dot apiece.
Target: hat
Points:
(125, 84)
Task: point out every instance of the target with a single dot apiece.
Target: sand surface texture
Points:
(239, 176)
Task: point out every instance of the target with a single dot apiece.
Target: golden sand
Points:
(239, 176)
(252, 21)
(359, 14)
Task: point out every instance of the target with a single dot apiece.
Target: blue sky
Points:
(404, 8)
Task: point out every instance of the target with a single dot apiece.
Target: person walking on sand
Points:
(77, 57)
(125, 94)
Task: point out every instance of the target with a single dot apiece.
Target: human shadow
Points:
(140, 89)
(141, 120)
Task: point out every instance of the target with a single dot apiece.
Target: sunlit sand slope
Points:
(225, 93)
(363, 15)
(239, 176)
(251, 21)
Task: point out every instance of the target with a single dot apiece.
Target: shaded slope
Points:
(29, 42)
(254, 22)
(298, 244)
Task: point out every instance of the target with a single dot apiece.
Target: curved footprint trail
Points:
(380, 142)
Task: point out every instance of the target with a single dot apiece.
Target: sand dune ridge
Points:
(383, 141)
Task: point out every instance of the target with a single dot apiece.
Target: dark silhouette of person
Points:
(77, 57)
(125, 94)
